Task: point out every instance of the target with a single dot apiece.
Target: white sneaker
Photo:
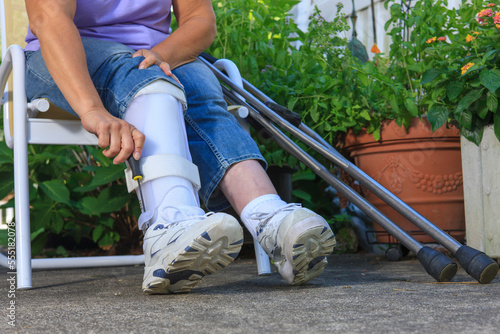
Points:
(298, 240)
(179, 254)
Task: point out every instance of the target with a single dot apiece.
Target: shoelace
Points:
(184, 218)
(264, 218)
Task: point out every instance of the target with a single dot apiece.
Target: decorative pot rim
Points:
(420, 129)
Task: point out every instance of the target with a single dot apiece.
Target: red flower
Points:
(485, 13)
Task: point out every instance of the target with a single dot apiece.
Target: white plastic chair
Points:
(22, 127)
(36, 123)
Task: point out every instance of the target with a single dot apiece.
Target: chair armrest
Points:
(14, 58)
(13, 62)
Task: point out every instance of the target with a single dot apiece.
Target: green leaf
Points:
(56, 191)
(301, 194)
(107, 239)
(474, 136)
(464, 118)
(36, 233)
(454, 89)
(41, 214)
(38, 242)
(58, 222)
(365, 80)
(4, 238)
(114, 201)
(97, 232)
(292, 102)
(6, 155)
(61, 251)
(107, 221)
(489, 55)
(468, 99)
(481, 108)
(394, 104)
(490, 79)
(492, 102)
(104, 175)
(376, 134)
(437, 116)
(365, 115)
(496, 125)
(411, 107)
(429, 75)
(308, 176)
(90, 206)
(6, 184)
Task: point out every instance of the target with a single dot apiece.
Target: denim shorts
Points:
(216, 140)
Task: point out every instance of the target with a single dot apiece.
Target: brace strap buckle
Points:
(156, 166)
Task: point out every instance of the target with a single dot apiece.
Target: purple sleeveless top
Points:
(137, 24)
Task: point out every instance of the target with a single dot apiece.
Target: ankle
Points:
(265, 204)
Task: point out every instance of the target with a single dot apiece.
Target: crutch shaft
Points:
(476, 263)
(435, 263)
(331, 154)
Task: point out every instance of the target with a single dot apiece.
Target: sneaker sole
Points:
(213, 249)
(314, 242)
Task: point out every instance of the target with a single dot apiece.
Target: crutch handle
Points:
(292, 117)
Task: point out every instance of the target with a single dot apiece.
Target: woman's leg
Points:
(232, 172)
(160, 117)
(181, 243)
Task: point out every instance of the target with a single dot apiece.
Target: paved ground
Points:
(357, 293)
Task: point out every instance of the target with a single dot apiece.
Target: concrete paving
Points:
(356, 294)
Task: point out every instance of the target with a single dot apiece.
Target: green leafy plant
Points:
(77, 193)
(466, 70)
(332, 90)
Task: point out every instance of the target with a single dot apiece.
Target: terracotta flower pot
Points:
(420, 167)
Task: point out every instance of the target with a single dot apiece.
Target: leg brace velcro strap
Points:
(156, 166)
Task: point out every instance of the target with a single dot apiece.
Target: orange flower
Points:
(441, 39)
(469, 38)
(490, 5)
(466, 67)
(375, 49)
(431, 40)
(496, 18)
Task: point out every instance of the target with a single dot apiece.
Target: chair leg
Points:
(23, 240)
(263, 263)
(21, 191)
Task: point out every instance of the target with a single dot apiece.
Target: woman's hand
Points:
(120, 138)
(154, 58)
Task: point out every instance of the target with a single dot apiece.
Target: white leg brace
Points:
(170, 180)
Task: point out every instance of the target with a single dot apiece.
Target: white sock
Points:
(262, 204)
(160, 117)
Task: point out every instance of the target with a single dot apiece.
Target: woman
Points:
(117, 66)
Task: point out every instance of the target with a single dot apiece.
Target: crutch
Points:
(476, 263)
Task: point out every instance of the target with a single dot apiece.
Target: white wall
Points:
(364, 23)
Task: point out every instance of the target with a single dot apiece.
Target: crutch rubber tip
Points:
(437, 264)
(477, 264)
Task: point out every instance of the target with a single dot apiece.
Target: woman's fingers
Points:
(119, 138)
(126, 142)
(139, 140)
(153, 58)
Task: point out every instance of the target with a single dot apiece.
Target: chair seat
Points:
(55, 112)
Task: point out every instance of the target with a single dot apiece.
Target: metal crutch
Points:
(476, 263)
